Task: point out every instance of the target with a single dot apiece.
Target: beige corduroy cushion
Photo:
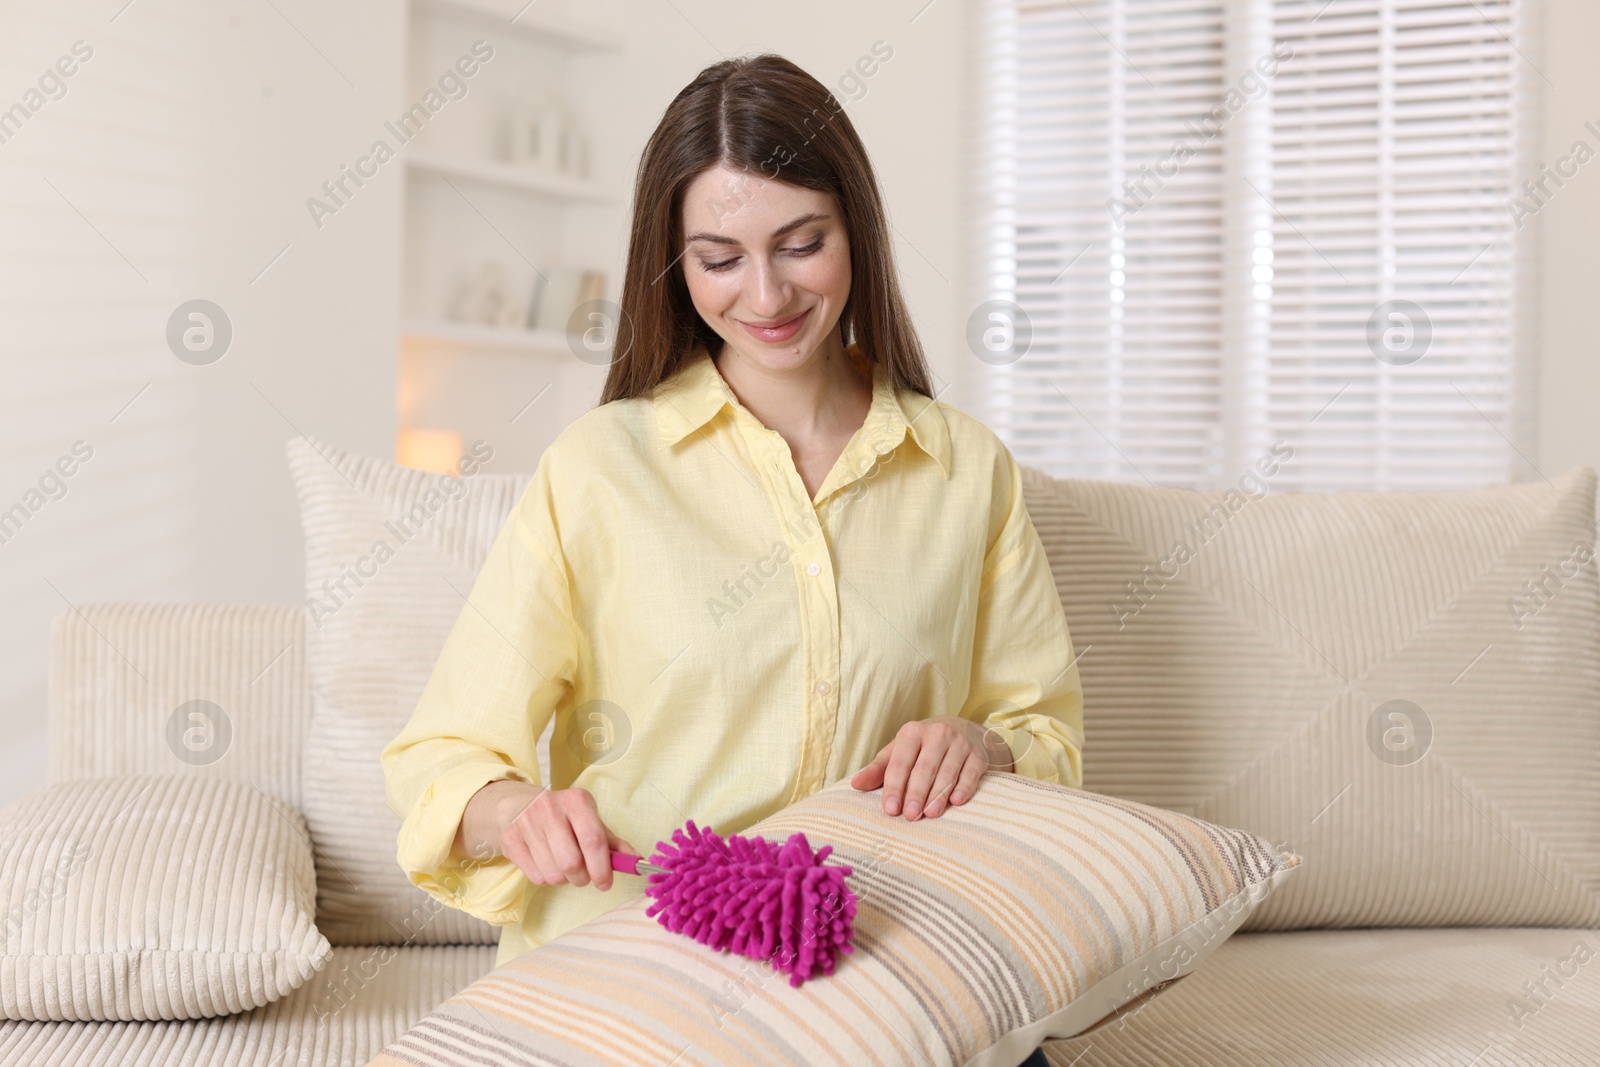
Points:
(1450, 997)
(153, 897)
(1367, 678)
(362, 999)
(391, 553)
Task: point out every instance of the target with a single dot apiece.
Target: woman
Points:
(765, 562)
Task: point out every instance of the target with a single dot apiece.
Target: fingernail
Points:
(913, 809)
(957, 797)
(892, 806)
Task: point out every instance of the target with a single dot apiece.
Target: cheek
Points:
(712, 293)
(826, 272)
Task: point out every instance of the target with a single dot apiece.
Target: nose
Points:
(766, 292)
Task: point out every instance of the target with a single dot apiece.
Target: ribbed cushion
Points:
(1252, 680)
(153, 897)
(1358, 998)
(1032, 910)
(362, 999)
(391, 553)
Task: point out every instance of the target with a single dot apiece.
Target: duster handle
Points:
(628, 863)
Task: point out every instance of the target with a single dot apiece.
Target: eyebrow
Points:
(792, 224)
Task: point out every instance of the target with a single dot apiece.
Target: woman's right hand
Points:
(554, 836)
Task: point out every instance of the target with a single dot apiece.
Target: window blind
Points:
(1206, 229)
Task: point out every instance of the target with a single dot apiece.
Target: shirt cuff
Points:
(493, 890)
(1038, 755)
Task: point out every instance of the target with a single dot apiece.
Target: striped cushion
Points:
(390, 555)
(153, 897)
(1031, 911)
(1404, 688)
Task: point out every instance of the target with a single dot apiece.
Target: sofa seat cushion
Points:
(361, 1000)
(1490, 997)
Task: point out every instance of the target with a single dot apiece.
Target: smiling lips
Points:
(779, 333)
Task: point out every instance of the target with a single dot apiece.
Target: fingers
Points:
(971, 774)
(930, 756)
(907, 747)
(524, 842)
(594, 842)
(871, 776)
(955, 758)
(932, 764)
(619, 845)
(561, 838)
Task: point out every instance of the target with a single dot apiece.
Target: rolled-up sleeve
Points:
(507, 665)
(1025, 682)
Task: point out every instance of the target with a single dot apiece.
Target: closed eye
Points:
(726, 263)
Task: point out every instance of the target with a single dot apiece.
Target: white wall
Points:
(175, 167)
(1568, 412)
(190, 142)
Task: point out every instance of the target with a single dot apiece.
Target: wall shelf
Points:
(469, 212)
(507, 176)
(473, 335)
(521, 17)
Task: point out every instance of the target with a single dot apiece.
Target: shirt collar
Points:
(697, 392)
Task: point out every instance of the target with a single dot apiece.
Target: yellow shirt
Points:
(715, 645)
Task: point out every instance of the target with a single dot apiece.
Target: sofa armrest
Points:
(125, 678)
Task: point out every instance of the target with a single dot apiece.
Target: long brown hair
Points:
(763, 116)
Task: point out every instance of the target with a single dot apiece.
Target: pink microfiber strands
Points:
(754, 898)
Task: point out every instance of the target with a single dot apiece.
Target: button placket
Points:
(820, 593)
(819, 609)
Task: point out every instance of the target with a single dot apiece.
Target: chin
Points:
(790, 354)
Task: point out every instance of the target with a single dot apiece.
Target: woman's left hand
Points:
(931, 760)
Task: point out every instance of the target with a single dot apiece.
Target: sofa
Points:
(1401, 687)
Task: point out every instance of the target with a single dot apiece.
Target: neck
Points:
(808, 400)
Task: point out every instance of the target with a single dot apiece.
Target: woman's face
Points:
(767, 264)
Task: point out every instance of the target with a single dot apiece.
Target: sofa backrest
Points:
(1403, 688)
(1406, 689)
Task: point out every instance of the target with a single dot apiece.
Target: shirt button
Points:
(822, 687)
(815, 569)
